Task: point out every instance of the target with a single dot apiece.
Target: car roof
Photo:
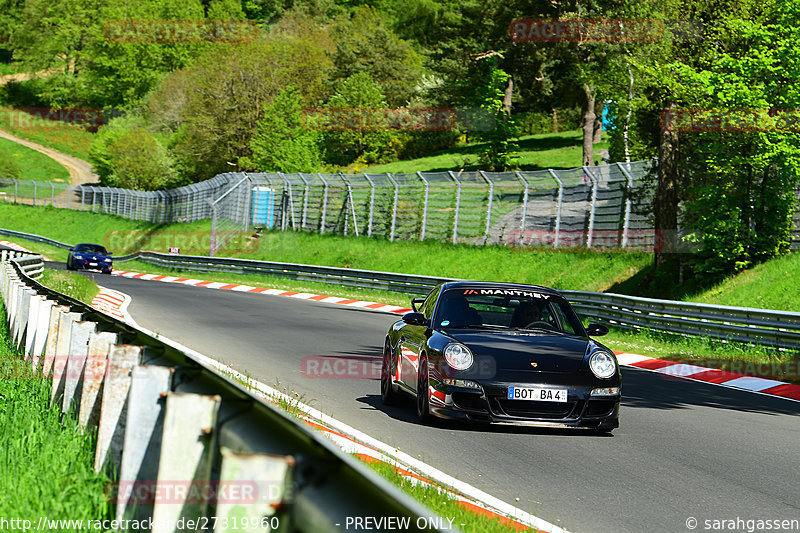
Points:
(90, 244)
(470, 284)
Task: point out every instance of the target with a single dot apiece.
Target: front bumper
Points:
(492, 405)
(89, 264)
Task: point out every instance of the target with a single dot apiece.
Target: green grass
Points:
(67, 138)
(69, 283)
(771, 285)
(9, 68)
(535, 152)
(32, 164)
(46, 463)
(593, 271)
(441, 504)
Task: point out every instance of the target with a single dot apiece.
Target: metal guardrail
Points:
(780, 329)
(31, 264)
(33, 237)
(349, 277)
(168, 421)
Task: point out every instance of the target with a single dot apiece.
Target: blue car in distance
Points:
(89, 257)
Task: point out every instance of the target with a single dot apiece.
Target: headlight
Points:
(602, 364)
(76, 256)
(107, 259)
(458, 356)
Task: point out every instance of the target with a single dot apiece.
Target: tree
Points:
(282, 143)
(355, 100)
(364, 43)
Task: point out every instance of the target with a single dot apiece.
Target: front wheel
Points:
(423, 391)
(388, 394)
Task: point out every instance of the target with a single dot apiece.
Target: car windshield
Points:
(518, 309)
(91, 248)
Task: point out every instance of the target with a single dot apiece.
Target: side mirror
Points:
(71, 248)
(596, 330)
(414, 302)
(416, 319)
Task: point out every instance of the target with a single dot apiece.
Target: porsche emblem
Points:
(534, 364)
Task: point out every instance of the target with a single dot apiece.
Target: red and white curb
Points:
(355, 442)
(114, 303)
(14, 246)
(679, 370)
(373, 306)
(731, 380)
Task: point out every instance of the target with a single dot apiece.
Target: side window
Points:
(429, 304)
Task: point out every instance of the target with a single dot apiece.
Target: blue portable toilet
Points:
(606, 119)
(263, 207)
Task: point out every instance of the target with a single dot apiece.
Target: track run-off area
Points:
(685, 450)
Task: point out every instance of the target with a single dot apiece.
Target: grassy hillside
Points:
(535, 152)
(32, 165)
(70, 139)
(771, 285)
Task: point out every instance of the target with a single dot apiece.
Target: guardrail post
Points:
(76, 362)
(560, 202)
(269, 477)
(42, 327)
(489, 206)
(627, 220)
(371, 203)
(458, 205)
(324, 203)
(187, 446)
(63, 345)
(142, 445)
(113, 410)
(394, 205)
(424, 205)
(595, 183)
(33, 320)
(91, 391)
(52, 336)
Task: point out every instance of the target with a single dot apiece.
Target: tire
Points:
(423, 398)
(69, 264)
(388, 394)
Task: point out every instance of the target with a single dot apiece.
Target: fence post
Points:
(52, 194)
(15, 190)
(458, 205)
(324, 204)
(394, 205)
(525, 194)
(305, 201)
(489, 206)
(595, 183)
(558, 207)
(35, 187)
(371, 203)
(212, 244)
(424, 206)
(627, 220)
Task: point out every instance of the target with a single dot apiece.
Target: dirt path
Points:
(80, 171)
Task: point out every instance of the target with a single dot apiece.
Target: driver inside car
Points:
(526, 314)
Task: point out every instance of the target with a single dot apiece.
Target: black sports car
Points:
(501, 353)
(90, 257)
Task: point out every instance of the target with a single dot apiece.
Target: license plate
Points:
(537, 394)
(92, 264)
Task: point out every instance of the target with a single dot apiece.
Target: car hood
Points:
(517, 350)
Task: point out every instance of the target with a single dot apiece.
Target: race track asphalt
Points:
(684, 449)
